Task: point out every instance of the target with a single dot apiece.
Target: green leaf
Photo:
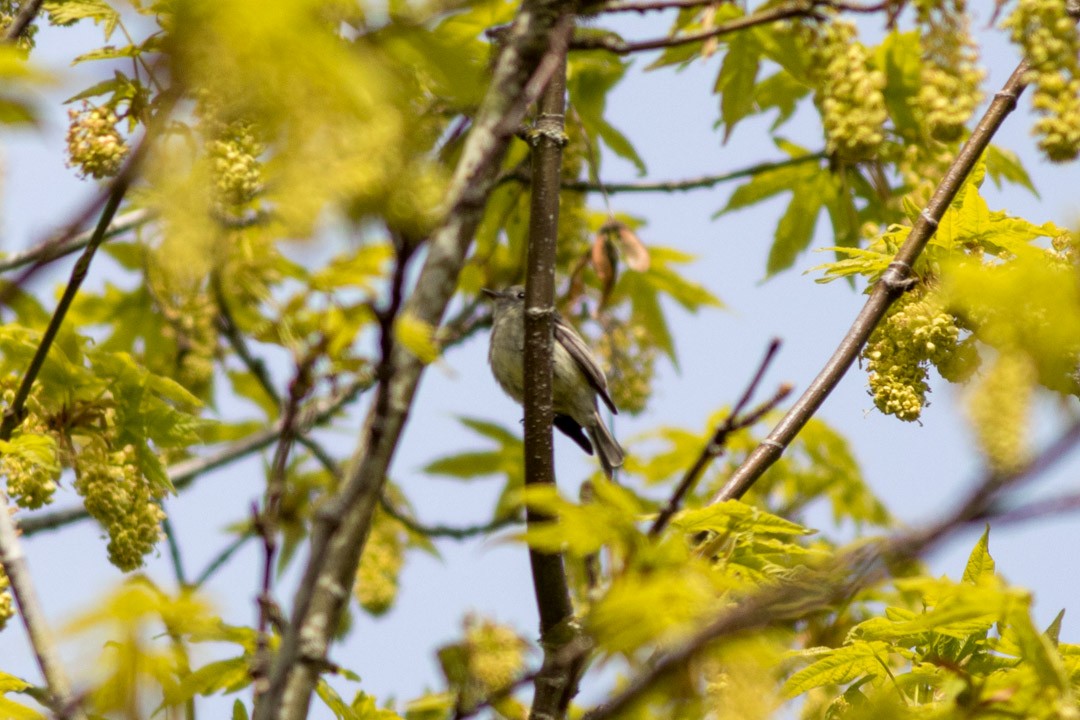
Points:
(980, 564)
(591, 76)
(839, 666)
(239, 711)
(467, 465)
(737, 78)
(363, 268)
(109, 52)
(1054, 630)
(899, 58)
(795, 229)
(246, 385)
(224, 676)
(65, 12)
(1004, 164)
(333, 701)
(736, 516)
(416, 336)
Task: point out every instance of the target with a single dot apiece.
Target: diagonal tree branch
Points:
(27, 12)
(11, 553)
(891, 286)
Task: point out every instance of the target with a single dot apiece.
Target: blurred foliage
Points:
(294, 154)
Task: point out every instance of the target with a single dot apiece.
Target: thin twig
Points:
(698, 183)
(614, 44)
(451, 532)
(265, 521)
(47, 250)
(220, 559)
(174, 551)
(644, 7)
(734, 421)
(51, 250)
(892, 285)
(849, 573)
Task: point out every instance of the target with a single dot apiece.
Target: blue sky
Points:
(917, 469)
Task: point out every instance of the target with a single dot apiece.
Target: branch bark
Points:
(555, 684)
(341, 530)
(891, 286)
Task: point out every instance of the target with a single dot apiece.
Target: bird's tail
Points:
(607, 447)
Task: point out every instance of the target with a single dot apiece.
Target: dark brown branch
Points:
(891, 285)
(797, 8)
(265, 521)
(27, 13)
(13, 414)
(734, 421)
(849, 573)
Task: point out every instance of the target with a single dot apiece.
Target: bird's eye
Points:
(521, 295)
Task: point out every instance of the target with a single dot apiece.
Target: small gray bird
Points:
(576, 376)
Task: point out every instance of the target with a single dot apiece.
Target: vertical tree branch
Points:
(891, 285)
(341, 529)
(554, 683)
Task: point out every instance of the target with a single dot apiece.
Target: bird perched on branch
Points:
(577, 379)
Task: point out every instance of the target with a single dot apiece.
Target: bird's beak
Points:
(493, 294)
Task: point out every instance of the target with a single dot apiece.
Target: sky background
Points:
(917, 469)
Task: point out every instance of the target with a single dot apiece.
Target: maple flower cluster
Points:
(377, 578)
(118, 496)
(917, 332)
(950, 74)
(1051, 44)
(998, 409)
(237, 170)
(849, 92)
(94, 145)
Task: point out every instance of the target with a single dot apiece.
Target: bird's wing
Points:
(567, 335)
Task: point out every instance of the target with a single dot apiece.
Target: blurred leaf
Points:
(417, 337)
